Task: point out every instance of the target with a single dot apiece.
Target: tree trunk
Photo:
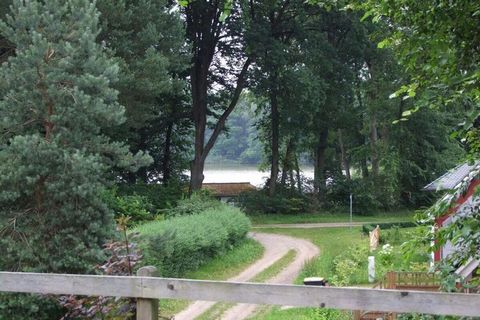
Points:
(204, 28)
(167, 154)
(373, 144)
(275, 120)
(319, 169)
(361, 138)
(199, 81)
(343, 155)
(299, 178)
(199, 95)
(287, 163)
(292, 180)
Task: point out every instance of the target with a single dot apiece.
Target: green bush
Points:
(364, 200)
(160, 196)
(21, 306)
(284, 202)
(184, 243)
(196, 203)
(137, 208)
(366, 228)
(347, 265)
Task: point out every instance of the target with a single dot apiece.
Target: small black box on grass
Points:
(315, 281)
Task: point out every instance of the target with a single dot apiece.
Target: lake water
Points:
(241, 173)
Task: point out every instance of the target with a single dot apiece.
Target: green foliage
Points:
(416, 316)
(160, 196)
(137, 208)
(347, 264)
(29, 306)
(367, 228)
(198, 202)
(286, 202)
(363, 192)
(303, 314)
(239, 143)
(182, 244)
(147, 39)
(56, 101)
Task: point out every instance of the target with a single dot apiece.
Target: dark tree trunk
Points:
(287, 162)
(299, 178)
(363, 161)
(343, 155)
(364, 165)
(319, 169)
(372, 95)
(292, 180)
(167, 154)
(200, 121)
(373, 145)
(204, 28)
(275, 122)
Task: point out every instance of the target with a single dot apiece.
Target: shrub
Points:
(284, 202)
(196, 203)
(21, 306)
(158, 195)
(184, 243)
(347, 264)
(123, 256)
(366, 228)
(363, 191)
(137, 208)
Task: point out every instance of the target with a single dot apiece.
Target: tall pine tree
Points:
(55, 101)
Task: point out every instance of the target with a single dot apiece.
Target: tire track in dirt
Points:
(276, 246)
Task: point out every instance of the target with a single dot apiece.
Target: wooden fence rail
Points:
(149, 289)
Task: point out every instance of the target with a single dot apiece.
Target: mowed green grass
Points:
(400, 216)
(331, 242)
(220, 268)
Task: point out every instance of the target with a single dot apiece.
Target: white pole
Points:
(371, 269)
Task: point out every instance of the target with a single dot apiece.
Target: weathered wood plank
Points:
(302, 296)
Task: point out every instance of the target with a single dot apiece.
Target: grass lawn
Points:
(332, 243)
(399, 216)
(220, 268)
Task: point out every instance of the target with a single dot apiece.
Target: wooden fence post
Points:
(147, 309)
(391, 280)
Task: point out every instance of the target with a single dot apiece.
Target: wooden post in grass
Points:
(147, 309)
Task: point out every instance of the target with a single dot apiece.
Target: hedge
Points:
(366, 228)
(181, 244)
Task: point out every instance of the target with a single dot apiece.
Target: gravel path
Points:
(276, 246)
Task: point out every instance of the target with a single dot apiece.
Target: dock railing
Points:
(147, 289)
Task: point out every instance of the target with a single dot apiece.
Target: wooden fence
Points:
(148, 290)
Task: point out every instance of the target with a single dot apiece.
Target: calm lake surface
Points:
(219, 172)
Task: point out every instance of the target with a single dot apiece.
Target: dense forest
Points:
(273, 84)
